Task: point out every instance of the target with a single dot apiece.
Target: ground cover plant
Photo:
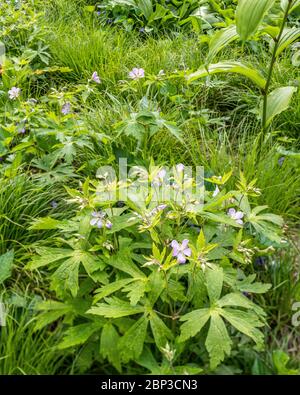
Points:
(149, 187)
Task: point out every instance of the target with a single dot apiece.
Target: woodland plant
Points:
(164, 284)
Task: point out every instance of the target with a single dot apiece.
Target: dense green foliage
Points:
(102, 283)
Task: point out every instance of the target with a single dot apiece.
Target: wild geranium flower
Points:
(236, 215)
(181, 251)
(66, 108)
(180, 167)
(98, 219)
(54, 204)
(14, 93)
(96, 78)
(216, 191)
(159, 179)
(136, 73)
(108, 224)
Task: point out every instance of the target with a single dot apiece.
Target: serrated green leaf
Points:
(132, 343)
(79, 334)
(161, 332)
(108, 341)
(66, 276)
(195, 321)
(218, 342)
(214, 281)
(115, 308)
(108, 289)
(245, 322)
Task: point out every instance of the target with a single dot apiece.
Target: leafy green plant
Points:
(155, 299)
(249, 25)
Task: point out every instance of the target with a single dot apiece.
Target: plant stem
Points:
(271, 67)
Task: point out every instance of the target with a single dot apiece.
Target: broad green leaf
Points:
(279, 101)
(122, 261)
(79, 334)
(256, 288)
(249, 15)
(195, 321)
(6, 264)
(115, 308)
(237, 300)
(146, 7)
(245, 322)
(220, 40)
(135, 291)
(214, 282)
(229, 67)
(48, 255)
(132, 343)
(280, 360)
(218, 342)
(221, 218)
(295, 4)
(161, 332)
(108, 341)
(45, 223)
(288, 37)
(108, 289)
(48, 317)
(66, 277)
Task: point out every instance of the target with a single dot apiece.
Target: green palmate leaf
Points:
(221, 218)
(52, 311)
(115, 308)
(135, 291)
(249, 15)
(288, 37)
(236, 299)
(108, 289)
(79, 334)
(122, 261)
(278, 101)
(161, 332)
(66, 276)
(229, 67)
(214, 282)
(6, 264)
(218, 342)
(132, 343)
(195, 321)
(45, 223)
(48, 255)
(245, 322)
(220, 40)
(108, 341)
(256, 288)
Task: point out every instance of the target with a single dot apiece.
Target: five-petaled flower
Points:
(136, 73)
(216, 191)
(180, 167)
(99, 220)
(236, 215)
(66, 108)
(14, 93)
(181, 251)
(95, 77)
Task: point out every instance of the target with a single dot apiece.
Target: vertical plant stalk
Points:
(271, 68)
